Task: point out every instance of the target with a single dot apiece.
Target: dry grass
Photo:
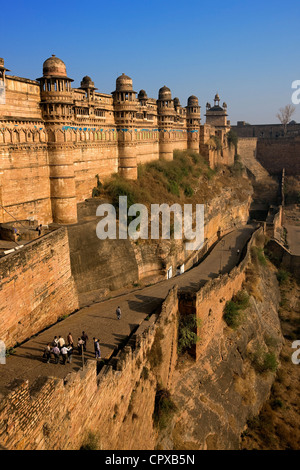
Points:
(186, 179)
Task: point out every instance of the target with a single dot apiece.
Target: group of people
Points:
(60, 347)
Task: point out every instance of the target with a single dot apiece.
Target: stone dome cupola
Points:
(87, 82)
(142, 95)
(54, 67)
(164, 93)
(124, 83)
(193, 101)
(177, 102)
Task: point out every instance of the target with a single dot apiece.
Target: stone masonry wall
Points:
(117, 404)
(276, 154)
(209, 302)
(36, 287)
(24, 183)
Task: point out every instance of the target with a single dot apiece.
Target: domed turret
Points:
(164, 93)
(217, 115)
(87, 82)
(176, 102)
(88, 86)
(124, 83)
(54, 67)
(142, 95)
(193, 101)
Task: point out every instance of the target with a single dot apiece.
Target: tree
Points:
(285, 115)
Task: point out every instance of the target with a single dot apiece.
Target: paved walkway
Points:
(100, 320)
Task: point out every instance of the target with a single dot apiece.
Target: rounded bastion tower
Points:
(125, 108)
(57, 109)
(193, 123)
(166, 119)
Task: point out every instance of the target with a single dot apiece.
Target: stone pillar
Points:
(127, 154)
(62, 185)
(165, 145)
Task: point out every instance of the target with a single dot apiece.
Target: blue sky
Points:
(248, 51)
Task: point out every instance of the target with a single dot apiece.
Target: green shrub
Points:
(282, 276)
(97, 190)
(216, 141)
(232, 139)
(233, 311)
(187, 336)
(269, 362)
(116, 187)
(91, 442)
(264, 361)
(173, 188)
(188, 191)
(164, 409)
(258, 255)
(276, 403)
(10, 351)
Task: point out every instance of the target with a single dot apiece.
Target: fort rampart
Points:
(118, 403)
(37, 287)
(55, 139)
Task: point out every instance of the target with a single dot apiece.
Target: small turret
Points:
(193, 122)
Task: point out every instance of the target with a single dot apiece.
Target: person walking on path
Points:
(97, 348)
(47, 353)
(64, 353)
(39, 229)
(118, 312)
(56, 352)
(61, 342)
(84, 338)
(70, 340)
(80, 344)
(70, 352)
(55, 341)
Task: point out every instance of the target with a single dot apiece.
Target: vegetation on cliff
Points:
(187, 333)
(186, 179)
(234, 309)
(164, 409)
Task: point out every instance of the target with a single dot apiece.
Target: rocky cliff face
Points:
(230, 383)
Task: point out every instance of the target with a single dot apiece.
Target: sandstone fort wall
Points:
(37, 287)
(277, 154)
(62, 137)
(118, 403)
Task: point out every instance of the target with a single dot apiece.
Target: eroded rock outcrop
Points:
(228, 385)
